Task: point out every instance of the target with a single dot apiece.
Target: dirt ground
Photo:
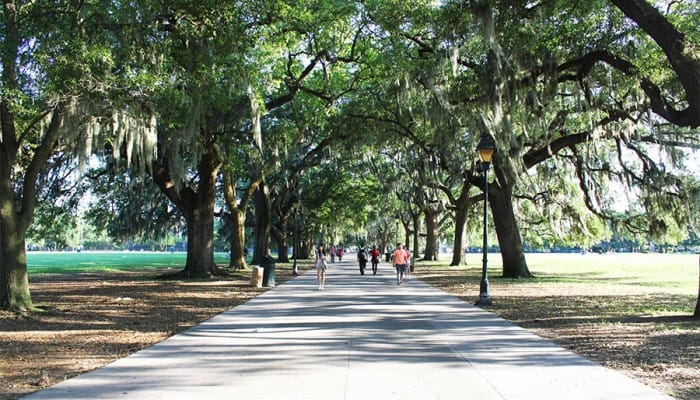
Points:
(92, 319)
(601, 323)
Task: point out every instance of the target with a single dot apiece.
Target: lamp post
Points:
(295, 233)
(295, 269)
(485, 149)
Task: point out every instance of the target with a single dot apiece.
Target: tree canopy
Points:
(358, 115)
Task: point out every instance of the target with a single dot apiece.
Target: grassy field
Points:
(672, 273)
(105, 261)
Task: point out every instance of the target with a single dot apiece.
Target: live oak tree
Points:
(580, 97)
(56, 77)
(311, 52)
(500, 59)
(199, 55)
(442, 123)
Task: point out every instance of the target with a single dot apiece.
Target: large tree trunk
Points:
(14, 221)
(432, 234)
(14, 284)
(237, 212)
(17, 211)
(236, 220)
(460, 238)
(198, 209)
(200, 241)
(509, 240)
(261, 234)
(200, 224)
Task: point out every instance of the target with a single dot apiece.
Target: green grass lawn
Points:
(89, 261)
(671, 273)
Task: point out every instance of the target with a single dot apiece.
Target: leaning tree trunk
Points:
(236, 220)
(236, 217)
(432, 231)
(261, 234)
(462, 204)
(509, 240)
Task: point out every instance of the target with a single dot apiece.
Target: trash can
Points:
(388, 257)
(268, 264)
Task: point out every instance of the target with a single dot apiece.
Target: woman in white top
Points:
(321, 266)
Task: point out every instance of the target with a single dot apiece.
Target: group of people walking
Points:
(401, 260)
(363, 255)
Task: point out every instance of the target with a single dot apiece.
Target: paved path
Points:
(362, 338)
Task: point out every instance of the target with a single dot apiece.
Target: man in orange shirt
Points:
(399, 263)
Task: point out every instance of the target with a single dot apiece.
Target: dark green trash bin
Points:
(268, 264)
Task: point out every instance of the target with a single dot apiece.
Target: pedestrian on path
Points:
(399, 263)
(362, 258)
(374, 253)
(408, 260)
(332, 254)
(321, 267)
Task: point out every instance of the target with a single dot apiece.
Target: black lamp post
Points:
(485, 149)
(295, 238)
(295, 269)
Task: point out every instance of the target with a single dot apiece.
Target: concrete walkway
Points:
(362, 338)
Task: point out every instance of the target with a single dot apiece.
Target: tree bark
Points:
(236, 217)
(200, 241)
(261, 234)
(14, 283)
(508, 233)
(198, 209)
(236, 220)
(460, 238)
(462, 205)
(17, 211)
(280, 235)
(432, 233)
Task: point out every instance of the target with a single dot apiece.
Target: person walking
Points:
(408, 260)
(321, 267)
(339, 252)
(374, 253)
(332, 254)
(362, 258)
(399, 263)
